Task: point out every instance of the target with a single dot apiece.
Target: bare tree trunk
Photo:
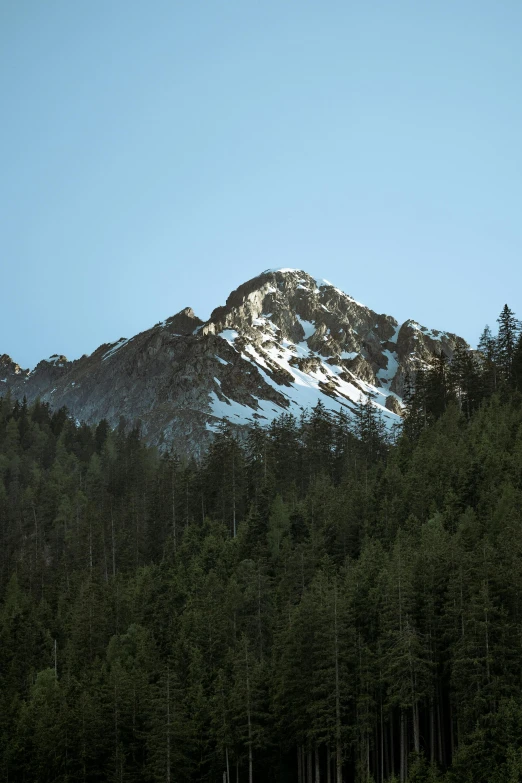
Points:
(432, 733)
(317, 767)
(406, 746)
(309, 765)
(339, 761)
(403, 750)
(415, 711)
(439, 732)
(382, 744)
(228, 764)
(416, 731)
(392, 746)
(299, 766)
(249, 718)
(452, 735)
(386, 760)
(168, 728)
(328, 765)
(115, 720)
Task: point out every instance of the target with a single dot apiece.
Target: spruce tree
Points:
(508, 331)
(517, 364)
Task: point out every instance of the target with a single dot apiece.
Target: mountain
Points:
(282, 341)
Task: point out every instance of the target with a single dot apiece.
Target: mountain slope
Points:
(282, 341)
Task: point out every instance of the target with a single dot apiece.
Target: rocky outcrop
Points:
(417, 344)
(282, 341)
(184, 322)
(393, 405)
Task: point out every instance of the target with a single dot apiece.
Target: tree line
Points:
(322, 601)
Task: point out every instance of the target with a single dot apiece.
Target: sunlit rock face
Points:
(282, 341)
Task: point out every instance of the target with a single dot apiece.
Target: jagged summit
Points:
(292, 308)
(184, 322)
(282, 341)
(10, 373)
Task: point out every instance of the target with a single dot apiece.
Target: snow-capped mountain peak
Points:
(281, 342)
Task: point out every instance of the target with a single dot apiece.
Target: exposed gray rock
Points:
(416, 344)
(184, 322)
(393, 405)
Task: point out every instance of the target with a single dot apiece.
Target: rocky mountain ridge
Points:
(282, 341)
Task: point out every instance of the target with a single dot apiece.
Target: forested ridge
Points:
(319, 602)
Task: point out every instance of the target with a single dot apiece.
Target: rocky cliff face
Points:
(282, 341)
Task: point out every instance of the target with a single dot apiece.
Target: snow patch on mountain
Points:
(116, 347)
(308, 327)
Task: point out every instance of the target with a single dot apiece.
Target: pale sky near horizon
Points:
(157, 154)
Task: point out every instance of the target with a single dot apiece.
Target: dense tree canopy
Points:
(320, 601)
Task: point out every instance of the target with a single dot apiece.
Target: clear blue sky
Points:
(157, 154)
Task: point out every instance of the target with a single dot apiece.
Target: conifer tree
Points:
(508, 331)
(517, 364)
(464, 380)
(278, 526)
(415, 401)
(488, 350)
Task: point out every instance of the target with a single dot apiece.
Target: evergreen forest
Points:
(321, 601)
